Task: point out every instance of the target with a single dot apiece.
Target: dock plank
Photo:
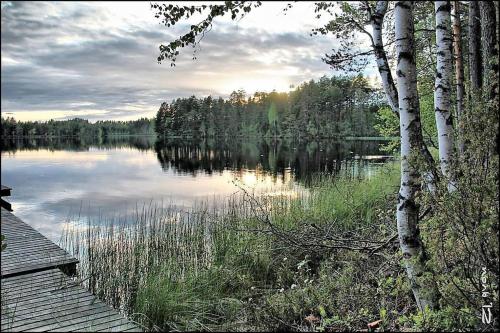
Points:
(127, 327)
(28, 250)
(38, 296)
(62, 305)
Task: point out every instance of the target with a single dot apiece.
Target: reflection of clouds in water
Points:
(262, 183)
(141, 161)
(44, 221)
(50, 187)
(48, 193)
(51, 156)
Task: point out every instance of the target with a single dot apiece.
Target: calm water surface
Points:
(55, 181)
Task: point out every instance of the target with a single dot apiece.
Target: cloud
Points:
(98, 61)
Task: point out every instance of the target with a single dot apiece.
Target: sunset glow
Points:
(97, 60)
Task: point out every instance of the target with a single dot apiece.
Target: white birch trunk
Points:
(411, 138)
(442, 87)
(377, 20)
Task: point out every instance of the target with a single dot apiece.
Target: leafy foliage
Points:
(171, 14)
(463, 232)
(346, 25)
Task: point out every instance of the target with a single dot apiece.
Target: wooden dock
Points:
(37, 295)
(29, 251)
(5, 192)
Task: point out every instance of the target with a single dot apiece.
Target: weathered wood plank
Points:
(33, 248)
(48, 299)
(128, 327)
(57, 303)
(42, 294)
(5, 192)
(41, 282)
(37, 296)
(73, 324)
(45, 308)
(35, 268)
(36, 259)
(55, 321)
(28, 250)
(20, 278)
(91, 323)
(57, 315)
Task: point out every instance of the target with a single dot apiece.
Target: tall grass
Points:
(199, 269)
(119, 257)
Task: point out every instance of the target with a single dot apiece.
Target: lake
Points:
(57, 181)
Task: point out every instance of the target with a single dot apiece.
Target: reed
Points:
(195, 268)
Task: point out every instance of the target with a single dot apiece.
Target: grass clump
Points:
(202, 301)
(266, 262)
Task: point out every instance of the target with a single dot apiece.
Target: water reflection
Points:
(12, 145)
(54, 179)
(276, 158)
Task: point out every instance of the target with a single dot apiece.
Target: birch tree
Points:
(442, 87)
(377, 20)
(402, 98)
(459, 72)
(497, 12)
(411, 136)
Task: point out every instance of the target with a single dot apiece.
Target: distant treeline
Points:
(337, 106)
(329, 107)
(75, 127)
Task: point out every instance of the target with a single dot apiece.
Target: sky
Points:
(97, 60)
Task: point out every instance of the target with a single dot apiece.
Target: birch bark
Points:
(377, 20)
(442, 87)
(411, 138)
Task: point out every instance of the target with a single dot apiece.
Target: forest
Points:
(329, 107)
(74, 127)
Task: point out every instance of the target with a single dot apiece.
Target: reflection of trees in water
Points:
(276, 158)
(142, 143)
